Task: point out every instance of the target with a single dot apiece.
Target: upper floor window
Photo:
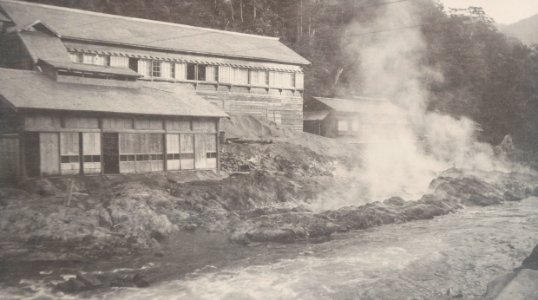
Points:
(156, 69)
(191, 71)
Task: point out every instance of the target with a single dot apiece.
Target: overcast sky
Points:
(503, 11)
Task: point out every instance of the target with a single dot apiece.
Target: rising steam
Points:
(403, 155)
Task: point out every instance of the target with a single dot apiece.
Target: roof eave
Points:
(97, 112)
(304, 61)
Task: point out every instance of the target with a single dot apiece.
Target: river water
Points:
(456, 254)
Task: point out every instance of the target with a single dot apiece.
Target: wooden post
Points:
(218, 146)
(70, 192)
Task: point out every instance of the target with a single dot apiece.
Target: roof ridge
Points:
(138, 19)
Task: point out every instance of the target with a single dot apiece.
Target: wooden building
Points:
(240, 73)
(73, 119)
(351, 118)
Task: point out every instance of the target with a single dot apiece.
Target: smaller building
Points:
(352, 119)
(73, 119)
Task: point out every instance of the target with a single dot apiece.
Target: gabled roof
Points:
(80, 47)
(41, 45)
(352, 105)
(4, 18)
(73, 24)
(85, 68)
(34, 90)
(315, 115)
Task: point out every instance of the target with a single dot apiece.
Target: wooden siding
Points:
(283, 110)
(81, 123)
(9, 157)
(42, 122)
(49, 149)
(69, 153)
(186, 144)
(91, 147)
(117, 123)
(178, 125)
(73, 144)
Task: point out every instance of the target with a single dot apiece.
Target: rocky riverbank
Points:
(263, 195)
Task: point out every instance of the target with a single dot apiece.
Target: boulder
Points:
(518, 285)
(531, 262)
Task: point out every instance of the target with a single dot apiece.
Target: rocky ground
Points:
(262, 195)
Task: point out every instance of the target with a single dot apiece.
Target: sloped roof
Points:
(34, 90)
(4, 18)
(119, 30)
(188, 58)
(85, 68)
(44, 46)
(315, 115)
(352, 105)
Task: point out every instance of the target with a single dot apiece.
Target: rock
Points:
(518, 285)
(89, 280)
(42, 187)
(454, 293)
(71, 286)
(531, 262)
(140, 281)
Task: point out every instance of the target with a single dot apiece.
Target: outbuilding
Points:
(72, 119)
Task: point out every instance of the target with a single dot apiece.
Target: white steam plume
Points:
(403, 156)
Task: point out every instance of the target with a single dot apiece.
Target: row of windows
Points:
(141, 157)
(196, 72)
(348, 125)
(177, 156)
(76, 158)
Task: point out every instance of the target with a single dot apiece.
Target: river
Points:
(456, 254)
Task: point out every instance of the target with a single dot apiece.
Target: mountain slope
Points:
(526, 30)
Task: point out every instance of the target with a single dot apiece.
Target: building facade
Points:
(240, 73)
(58, 122)
(91, 93)
(355, 119)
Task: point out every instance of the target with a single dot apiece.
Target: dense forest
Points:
(489, 77)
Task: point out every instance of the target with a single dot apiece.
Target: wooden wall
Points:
(283, 106)
(70, 145)
(9, 157)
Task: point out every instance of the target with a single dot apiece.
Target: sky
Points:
(503, 11)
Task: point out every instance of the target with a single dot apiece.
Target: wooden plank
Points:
(200, 156)
(117, 123)
(204, 125)
(70, 153)
(42, 122)
(9, 158)
(148, 124)
(81, 123)
(172, 150)
(178, 125)
(49, 149)
(186, 143)
(91, 147)
(211, 151)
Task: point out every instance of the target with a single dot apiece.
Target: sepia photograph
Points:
(268, 149)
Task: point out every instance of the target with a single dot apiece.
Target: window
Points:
(355, 125)
(133, 64)
(201, 72)
(156, 68)
(191, 71)
(172, 70)
(240, 76)
(342, 125)
(211, 73)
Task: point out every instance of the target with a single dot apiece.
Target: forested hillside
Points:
(487, 76)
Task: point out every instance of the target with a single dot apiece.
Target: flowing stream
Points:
(452, 255)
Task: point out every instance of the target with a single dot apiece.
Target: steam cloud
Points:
(407, 146)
